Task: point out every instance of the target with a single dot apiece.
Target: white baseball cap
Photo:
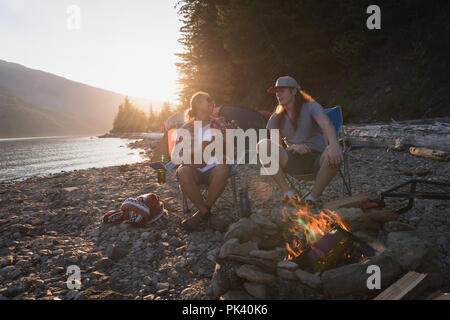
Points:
(286, 82)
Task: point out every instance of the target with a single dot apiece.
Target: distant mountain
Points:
(38, 103)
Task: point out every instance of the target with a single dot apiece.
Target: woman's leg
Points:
(217, 182)
(279, 177)
(189, 182)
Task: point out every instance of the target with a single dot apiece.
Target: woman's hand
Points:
(299, 148)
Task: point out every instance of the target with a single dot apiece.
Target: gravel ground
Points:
(45, 227)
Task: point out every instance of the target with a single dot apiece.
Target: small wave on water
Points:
(21, 158)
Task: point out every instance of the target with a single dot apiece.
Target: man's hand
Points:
(333, 155)
(299, 148)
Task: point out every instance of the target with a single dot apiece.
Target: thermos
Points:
(162, 173)
(244, 202)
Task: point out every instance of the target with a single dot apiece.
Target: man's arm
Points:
(333, 150)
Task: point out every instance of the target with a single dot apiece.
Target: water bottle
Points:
(162, 173)
(244, 202)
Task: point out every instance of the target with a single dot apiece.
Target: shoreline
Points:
(140, 144)
(50, 223)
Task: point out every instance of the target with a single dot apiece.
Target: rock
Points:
(266, 265)
(218, 223)
(244, 230)
(145, 235)
(352, 278)
(6, 261)
(115, 252)
(224, 279)
(21, 229)
(393, 226)
(16, 288)
(103, 263)
(259, 291)
(73, 295)
(407, 249)
(10, 272)
(276, 213)
(288, 265)
(76, 182)
(124, 237)
(365, 235)
(233, 247)
(311, 280)
(442, 241)
(263, 222)
(148, 281)
(162, 285)
(266, 254)
(286, 274)
(175, 242)
(70, 189)
(236, 295)
(253, 274)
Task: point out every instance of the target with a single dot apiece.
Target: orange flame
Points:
(308, 228)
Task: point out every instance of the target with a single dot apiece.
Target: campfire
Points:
(319, 241)
(290, 253)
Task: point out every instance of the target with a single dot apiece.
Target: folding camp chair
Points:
(335, 115)
(171, 125)
(187, 206)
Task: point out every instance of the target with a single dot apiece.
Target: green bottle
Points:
(162, 173)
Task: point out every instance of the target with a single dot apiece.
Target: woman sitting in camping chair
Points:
(191, 176)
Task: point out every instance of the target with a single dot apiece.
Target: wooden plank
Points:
(444, 296)
(350, 202)
(381, 215)
(402, 287)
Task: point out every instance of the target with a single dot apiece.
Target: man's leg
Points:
(324, 176)
(279, 177)
(189, 182)
(217, 182)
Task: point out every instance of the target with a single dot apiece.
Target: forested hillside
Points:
(237, 49)
(55, 104)
(19, 118)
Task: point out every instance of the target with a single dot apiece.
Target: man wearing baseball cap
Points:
(308, 141)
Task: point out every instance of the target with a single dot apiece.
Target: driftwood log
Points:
(402, 135)
(431, 154)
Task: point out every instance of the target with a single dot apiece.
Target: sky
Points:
(126, 46)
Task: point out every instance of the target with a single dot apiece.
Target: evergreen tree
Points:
(129, 118)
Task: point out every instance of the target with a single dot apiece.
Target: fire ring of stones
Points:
(256, 261)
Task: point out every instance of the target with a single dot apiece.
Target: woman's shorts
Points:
(202, 175)
(302, 163)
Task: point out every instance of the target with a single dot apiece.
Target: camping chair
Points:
(171, 125)
(335, 115)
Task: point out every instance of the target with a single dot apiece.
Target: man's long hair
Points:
(300, 99)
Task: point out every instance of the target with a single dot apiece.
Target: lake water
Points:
(24, 157)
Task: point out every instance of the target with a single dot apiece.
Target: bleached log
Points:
(401, 136)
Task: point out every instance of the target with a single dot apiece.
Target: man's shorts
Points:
(302, 163)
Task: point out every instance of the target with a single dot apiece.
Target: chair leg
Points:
(347, 173)
(345, 186)
(235, 197)
(293, 183)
